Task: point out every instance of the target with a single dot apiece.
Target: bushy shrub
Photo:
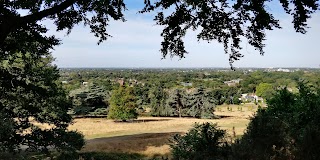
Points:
(203, 141)
(288, 129)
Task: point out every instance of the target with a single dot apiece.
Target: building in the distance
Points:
(233, 82)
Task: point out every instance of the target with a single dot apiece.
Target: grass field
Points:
(149, 135)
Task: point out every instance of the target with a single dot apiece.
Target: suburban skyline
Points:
(136, 44)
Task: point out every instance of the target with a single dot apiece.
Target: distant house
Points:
(186, 84)
(233, 82)
(85, 83)
(250, 97)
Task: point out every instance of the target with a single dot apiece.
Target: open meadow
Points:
(150, 136)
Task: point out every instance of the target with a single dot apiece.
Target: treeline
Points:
(192, 93)
(152, 100)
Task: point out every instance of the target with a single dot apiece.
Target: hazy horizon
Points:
(189, 68)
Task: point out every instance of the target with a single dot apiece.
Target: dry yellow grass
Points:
(97, 128)
(148, 135)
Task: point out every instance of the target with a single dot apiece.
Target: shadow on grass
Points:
(223, 116)
(149, 144)
(80, 156)
(148, 120)
(101, 156)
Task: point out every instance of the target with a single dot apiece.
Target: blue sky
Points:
(136, 43)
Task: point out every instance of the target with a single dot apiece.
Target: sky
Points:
(136, 43)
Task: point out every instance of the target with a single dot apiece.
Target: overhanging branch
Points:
(47, 12)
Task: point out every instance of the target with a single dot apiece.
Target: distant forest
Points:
(192, 92)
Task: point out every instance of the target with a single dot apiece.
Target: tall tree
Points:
(177, 102)
(158, 98)
(123, 104)
(87, 99)
(39, 100)
(142, 93)
(200, 104)
(218, 95)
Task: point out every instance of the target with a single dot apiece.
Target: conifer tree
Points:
(158, 98)
(200, 104)
(176, 101)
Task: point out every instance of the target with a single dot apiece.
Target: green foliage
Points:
(200, 104)
(218, 95)
(123, 104)
(88, 99)
(176, 102)
(142, 94)
(64, 14)
(202, 142)
(197, 104)
(265, 90)
(7, 133)
(287, 129)
(33, 95)
(158, 98)
(100, 156)
(236, 100)
(100, 111)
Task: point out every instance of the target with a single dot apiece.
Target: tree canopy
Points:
(25, 107)
(287, 129)
(265, 90)
(123, 104)
(224, 21)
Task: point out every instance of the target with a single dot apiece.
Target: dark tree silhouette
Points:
(220, 20)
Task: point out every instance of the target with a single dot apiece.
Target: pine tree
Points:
(87, 100)
(158, 97)
(176, 102)
(200, 104)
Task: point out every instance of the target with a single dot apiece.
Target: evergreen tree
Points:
(123, 104)
(141, 92)
(177, 102)
(200, 104)
(158, 98)
(217, 95)
(89, 99)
